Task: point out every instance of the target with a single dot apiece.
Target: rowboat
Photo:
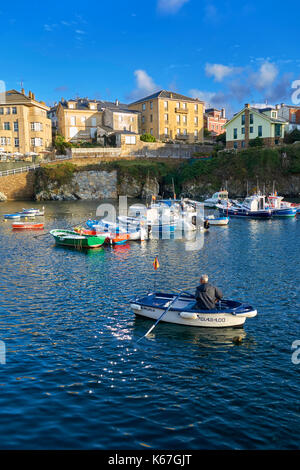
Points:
(27, 226)
(11, 216)
(112, 238)
(184, 311)
(73, 239)
(33, 211)
(135, 233)
(213, 220)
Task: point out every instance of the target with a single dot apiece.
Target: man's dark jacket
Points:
(206, 296)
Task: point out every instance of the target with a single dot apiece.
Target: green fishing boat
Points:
(76, 240)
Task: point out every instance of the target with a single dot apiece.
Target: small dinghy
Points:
(27, 226)
(75, 240)
(112, 238)
(11, 216)
(184, 311)
(213, 220)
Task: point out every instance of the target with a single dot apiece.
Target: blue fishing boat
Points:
(252, 207)
(182, 309)
(281, 208)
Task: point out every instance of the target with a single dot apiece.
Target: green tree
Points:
(60, 144)
(148, 138)
(257, 142)
(221, 138)
(291, 137)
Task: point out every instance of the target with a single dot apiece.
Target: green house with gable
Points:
(251, 123)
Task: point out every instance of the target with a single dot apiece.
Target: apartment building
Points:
(24, 125)
(170, 116)
(252, 122)
(214, 120)
(291, 114)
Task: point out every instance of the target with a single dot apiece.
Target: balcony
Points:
(181, 110)
(181, 136)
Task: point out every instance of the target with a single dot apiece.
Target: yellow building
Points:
(171, 116)
(78, 120)
(24, 125)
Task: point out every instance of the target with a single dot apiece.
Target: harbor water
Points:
(73, 376)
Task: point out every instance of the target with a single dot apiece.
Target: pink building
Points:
(214, 120)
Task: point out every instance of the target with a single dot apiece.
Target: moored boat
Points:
(27, 226)
(184, 311)
(213, 220)
(73, 239)
(252, 207)
(217, 198)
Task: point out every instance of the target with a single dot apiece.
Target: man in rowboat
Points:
(206, 294)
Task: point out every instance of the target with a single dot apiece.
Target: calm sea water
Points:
(76, 378)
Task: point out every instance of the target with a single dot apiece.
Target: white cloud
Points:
(206, 96)
(145, 85)
(170, 6)
(219, 71)
(266, 76)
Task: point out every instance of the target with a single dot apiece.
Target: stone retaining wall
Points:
(19, 186)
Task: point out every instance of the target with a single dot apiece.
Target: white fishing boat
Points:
(183, 310)
(217, 198)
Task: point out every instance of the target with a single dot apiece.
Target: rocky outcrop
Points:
(83, 185)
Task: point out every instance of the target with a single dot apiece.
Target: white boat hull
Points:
(207, 320)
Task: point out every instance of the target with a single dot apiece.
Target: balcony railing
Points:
(181, 110)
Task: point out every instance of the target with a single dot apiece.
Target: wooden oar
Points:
(158, 320)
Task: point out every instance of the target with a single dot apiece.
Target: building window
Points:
(184, 132)
(235, 145)
(251, 118)
(243, 119)
(83, 120)
(243, 130)
(143, 106)
(178, 105)
(235, 133)
(196, 121)
(166, 117)
(36, 126)
(196, 133)
(184, 105)
(73, 121)
(274, 114)
(17, 144)
(151, 104)
(277, 130)
(1, 111)
(7, 110)
(151, 131)
(165, 104)
(7, 140)
(184, 120)
(7, 126)
(243, 144)
(16, 126)
(196, 108)
(178, 131)
(143, 119)
(130, 139)
(2, 140)
(178, 119)
(166, 131)
(14, 110)
(151, 118)
(259, 131)
(94, 121)
(251, 130)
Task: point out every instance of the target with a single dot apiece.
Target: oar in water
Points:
(158, 320)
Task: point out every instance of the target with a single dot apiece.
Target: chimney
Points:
(171, 95)
(23, 91)
(223, 115)
(33, 96)
(117, 102)
(277, 106)
(247, 105)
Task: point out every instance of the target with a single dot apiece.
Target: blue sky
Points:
(224, 52)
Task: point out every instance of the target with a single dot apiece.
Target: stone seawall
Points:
(19, 186)
(84, 185)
